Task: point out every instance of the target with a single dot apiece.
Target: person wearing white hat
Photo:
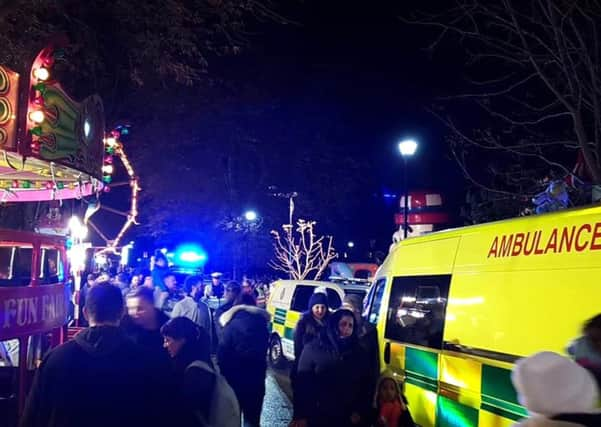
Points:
(556, 391)
(218, 288)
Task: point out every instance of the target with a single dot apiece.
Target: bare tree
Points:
(538, 89)
(304, 255)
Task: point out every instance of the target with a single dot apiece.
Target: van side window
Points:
(334, 301)
(376, 303)
(300, 299)
(416, 310)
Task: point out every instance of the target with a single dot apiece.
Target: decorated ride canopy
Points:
(51, 146)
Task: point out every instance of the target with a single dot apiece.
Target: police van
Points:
(455, 309)
(289, 299)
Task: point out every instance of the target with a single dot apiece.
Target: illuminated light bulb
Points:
(37, 116)
(107, 169)
(110, 141)
(41, 73)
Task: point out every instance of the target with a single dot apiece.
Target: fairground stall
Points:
(53, 149)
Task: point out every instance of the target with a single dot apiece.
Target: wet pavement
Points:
(277, 408)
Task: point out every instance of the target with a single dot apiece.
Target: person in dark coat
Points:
(232, 292)
(186, 342)
(367, 335)
(331, 387)
(242, 355)
(86, 381)
(309, 327)
(143, 323)
(159, 270)
(83, 293)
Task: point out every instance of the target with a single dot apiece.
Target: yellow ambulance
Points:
(455, 309)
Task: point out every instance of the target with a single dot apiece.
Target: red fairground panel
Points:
(31, 310)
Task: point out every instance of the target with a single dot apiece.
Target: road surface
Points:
(277, 407)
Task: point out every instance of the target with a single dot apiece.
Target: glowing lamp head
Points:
(351, 244)
(408, 147)
(37, 116)
(250, 215)
(42, 74)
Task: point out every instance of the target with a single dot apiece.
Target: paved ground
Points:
(277, 408)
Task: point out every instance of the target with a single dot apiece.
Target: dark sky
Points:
(359, 64)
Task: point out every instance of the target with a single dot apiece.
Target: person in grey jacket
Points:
(191, 306)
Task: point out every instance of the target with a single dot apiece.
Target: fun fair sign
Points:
(31, 310)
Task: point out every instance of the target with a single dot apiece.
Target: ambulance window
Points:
(334, 301)
(417, 308)
(374, 310)
(300, 299)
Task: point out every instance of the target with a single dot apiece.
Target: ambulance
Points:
(455, 309)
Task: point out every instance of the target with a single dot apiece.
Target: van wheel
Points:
(276, 354)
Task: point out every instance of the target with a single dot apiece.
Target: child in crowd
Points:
(556, 392)
(391, 404)
(586, 350)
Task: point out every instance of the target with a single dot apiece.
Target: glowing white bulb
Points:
(110, 141)
(107, 169)
(37, 116)
(408, 147)
(41, 74)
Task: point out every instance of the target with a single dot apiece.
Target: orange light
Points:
(37, 116)
(41, 74)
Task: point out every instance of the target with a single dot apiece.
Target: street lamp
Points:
(250, 216)
(351, 244)
(407, 148)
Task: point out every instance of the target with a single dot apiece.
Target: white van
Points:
(289, 299)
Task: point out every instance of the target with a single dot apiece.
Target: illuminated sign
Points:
(559, 240)
(31, 310)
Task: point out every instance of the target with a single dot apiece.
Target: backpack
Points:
(225, 411)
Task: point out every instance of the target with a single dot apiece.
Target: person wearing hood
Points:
(390, 404)
(186, 343)
(331, 386)
(367, 335)
(143, 323)
(103, 367)
(242, 355)
(556, 391)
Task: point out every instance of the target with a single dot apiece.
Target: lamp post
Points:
(407, 148)
(252, 223)
(290, 196)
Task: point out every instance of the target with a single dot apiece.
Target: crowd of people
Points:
(157, 353)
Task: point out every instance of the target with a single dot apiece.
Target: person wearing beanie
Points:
(309, 325)
(556, 391)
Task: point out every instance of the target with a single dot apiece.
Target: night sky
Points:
(364, 68)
